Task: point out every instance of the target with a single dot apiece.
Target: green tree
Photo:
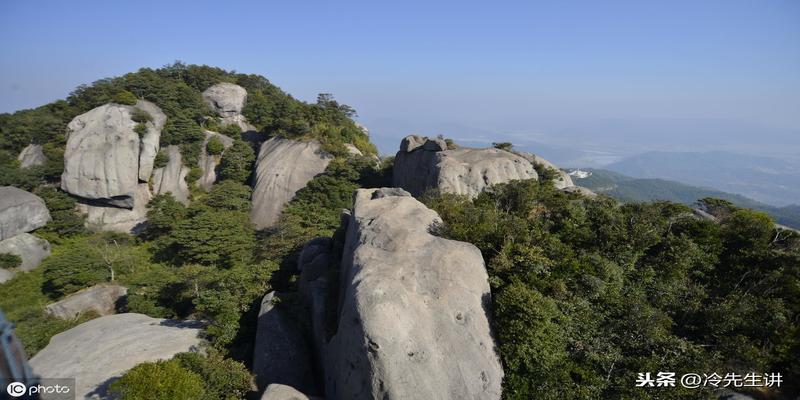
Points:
(221, 238)
(125, 97)
(229, 195)
(237, 162)
(214, 146)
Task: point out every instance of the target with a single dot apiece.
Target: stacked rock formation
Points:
(22, 212)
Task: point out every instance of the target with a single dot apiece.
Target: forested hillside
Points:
(582, 293)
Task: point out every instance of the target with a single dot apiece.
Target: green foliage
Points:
(237, 162)
(224, 379)
(125, 97)
(215, 237)
(140, 129)
(181, 129)
(141, 116)
(163, 214)
(8, 261)
(507, 146)
(586, 293)
(232, 131)
(214, 146)
(161, 160)
(194, 174)
(229, 195)
(160, 380)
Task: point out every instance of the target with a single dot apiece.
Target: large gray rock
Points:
(283, 167)
(421, 166)
(105, 158)
(99, 351)
(102, 299)
(172, 177)
(562, 181)
(413, 318)
(227, 100)
(113, 219)
(580, 190)
(31, 156)
(280, 354)
(208, 163)
(31, 249)
(20, 212)
(282, 392)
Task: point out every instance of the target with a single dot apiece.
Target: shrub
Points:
(229, 195)
(8, 261)
(140, 129)
(194, 174)
(213, 237)
(140, 116)
(160, 380)
(161, 160)
(214, 146)
(224, 379)
(125, 97)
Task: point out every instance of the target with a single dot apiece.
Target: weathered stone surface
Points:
(99, 351)
(227, 100)
(31, 249)
(462, 171)
(280, 354)
(413, 318)
(113, 219)
(563, 180)
(282, 392)
(31, 156)
(314, 264)
(283, 167)
(20, 212)
(105, 159)
(172, 177)
(208, 163)
(101, 299)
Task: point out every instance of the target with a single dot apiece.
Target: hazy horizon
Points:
(610, 79)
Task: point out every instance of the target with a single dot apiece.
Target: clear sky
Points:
(607, 76)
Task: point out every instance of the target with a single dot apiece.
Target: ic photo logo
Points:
(16, 389)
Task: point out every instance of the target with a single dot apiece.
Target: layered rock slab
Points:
(424, 164)
(413, 320)
(283, 167)
(20, 212)
(100, 351)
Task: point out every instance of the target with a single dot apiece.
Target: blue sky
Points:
(612, 77)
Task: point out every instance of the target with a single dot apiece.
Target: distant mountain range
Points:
(628, 189)
(770, 180)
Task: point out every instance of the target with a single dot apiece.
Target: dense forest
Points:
(586, 292)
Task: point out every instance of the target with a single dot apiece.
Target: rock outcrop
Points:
(115, 219)
(102, 299)
(579, 190)
(31, 249)
(282, 392)
(561, 182)
(208, 163)
(172, 177)
(280, 354)
(284, 166)
(31, 156)
(227, 100)
(413, 320)
(105, 159)
(20, 212)
(426, 164)
(99, 351)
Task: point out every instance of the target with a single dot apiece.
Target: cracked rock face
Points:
(99, 351)
(563, 180)
(413, 307)
(20, 212)
(283, 167)
(209, 163)
(425, 164)
(105, 159)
